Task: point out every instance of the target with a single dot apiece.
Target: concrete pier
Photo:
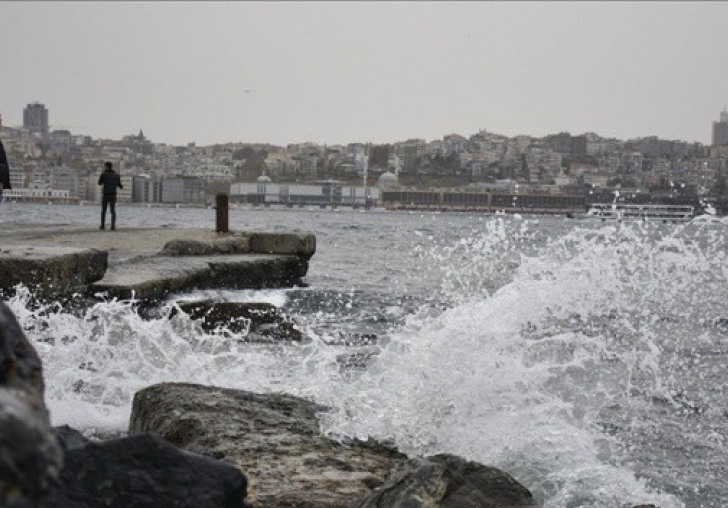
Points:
(148, 263)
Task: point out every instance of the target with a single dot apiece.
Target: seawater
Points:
(588, 359)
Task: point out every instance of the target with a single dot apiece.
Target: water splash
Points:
(564, 372)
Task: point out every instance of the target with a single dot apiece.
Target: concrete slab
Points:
(155, 277)
(50, 271)
(149, 263)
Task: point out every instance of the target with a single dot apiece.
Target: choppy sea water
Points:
(588, 359)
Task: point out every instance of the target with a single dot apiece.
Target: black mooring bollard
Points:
(221, 213)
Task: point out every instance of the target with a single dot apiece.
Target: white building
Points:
(325, 194)
(183, 190)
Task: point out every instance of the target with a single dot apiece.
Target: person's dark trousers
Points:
(110, 202)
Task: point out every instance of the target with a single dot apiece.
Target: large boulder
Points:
(274, 439)
(448, 481)
(30, 456)
(144, 471)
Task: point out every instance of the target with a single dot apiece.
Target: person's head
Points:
(108, 166)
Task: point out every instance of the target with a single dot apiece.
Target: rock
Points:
(69, 438)
(30, 456)
(259, 320)
(357, 359)
(230, 245)
(274, 439)
(145, 471)
(50, 272)
(448, 481)
(300, 244)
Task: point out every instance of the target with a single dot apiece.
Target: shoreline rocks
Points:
(448, 481)
(31, 458)
(275, 439)
(144, 471)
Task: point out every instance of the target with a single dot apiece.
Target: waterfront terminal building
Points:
(323, 194)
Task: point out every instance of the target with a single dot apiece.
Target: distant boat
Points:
(625, 211)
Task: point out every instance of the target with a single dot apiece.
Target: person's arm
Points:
(118, 183)
(101, 179)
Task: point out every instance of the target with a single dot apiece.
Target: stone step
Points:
(155, 277)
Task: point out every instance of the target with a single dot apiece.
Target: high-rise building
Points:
(720, 129)
(35, 118)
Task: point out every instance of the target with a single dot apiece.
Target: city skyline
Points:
(35, 125)
(338, 73)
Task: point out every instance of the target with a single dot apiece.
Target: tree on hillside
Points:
(251, 169)
(243, 153)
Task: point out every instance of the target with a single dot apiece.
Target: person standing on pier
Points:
(4, 172)
(110, 181)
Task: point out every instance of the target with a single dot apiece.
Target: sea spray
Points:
(553, 374)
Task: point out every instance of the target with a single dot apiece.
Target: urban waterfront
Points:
(556, 173)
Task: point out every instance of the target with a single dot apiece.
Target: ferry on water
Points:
(625, 211)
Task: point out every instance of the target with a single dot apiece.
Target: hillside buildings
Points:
(44, 160)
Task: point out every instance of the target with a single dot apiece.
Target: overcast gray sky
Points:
(340, 72)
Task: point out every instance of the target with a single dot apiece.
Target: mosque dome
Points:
(387, 180)
(264, 179)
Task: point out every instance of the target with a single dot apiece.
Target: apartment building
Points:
(35, 118)
(720, 130)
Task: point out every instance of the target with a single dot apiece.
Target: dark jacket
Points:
(4, 169)
(110, 180)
